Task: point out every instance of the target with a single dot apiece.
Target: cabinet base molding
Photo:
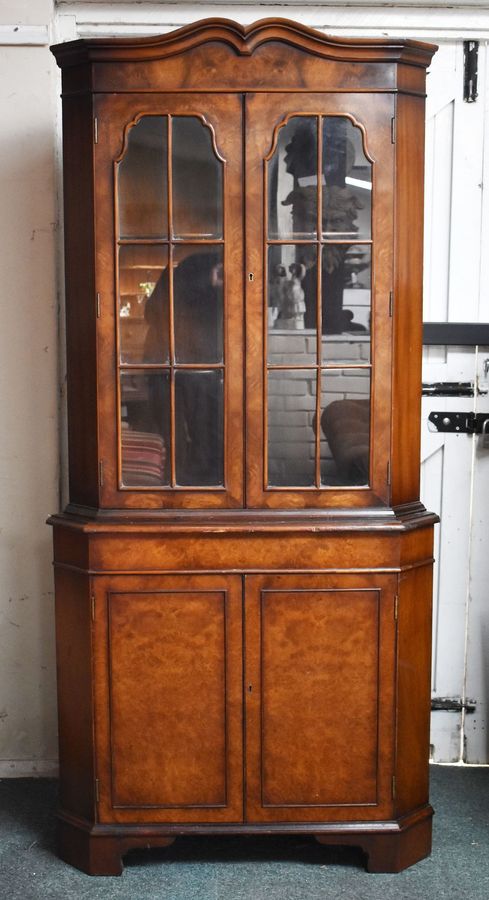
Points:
(388, 846)
(389, 851)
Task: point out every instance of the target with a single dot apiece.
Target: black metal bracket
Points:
(456, 334)
(453, 704)
(462, 423)
(471, 50)
(448, 389)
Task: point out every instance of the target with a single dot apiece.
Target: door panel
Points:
(172, 694)
(170, 282)
(319, 188)
(319, 691)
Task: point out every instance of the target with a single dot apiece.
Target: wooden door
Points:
(454, 472)
(169, 273)
(320, 685)
(319, 208)
(168, 671)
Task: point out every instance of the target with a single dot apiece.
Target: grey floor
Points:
(232, 868)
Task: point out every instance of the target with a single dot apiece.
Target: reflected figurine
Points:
(292, 300)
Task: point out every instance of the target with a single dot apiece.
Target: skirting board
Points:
(28, 768)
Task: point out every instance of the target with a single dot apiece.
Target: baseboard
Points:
(28, 768)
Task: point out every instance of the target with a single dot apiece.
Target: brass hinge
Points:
(97, 305)
(95, 130)
(388, 473)
(92, 600)
(391, 303)
(396, 607)
(101, 472)
(394, 787)
(97, 791)
(393, 130)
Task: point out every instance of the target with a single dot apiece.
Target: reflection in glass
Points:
(199, 427)
(196, 180)
(143, 303)
(145, 429)
(198, 303)
(345, 427)
(347, 181)
(291, 433)
(345, 290)
(292, 273)
(142, 181)
(292, 181)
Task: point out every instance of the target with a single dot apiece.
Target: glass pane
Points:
(345, 427)
(292, 304)
(196, 179)
(346, 295)
(292, 181)
(291, 433)
(142, 183)
(347, 181)
(198, 303)
(143, 303)
(145, 429)
(199, 427)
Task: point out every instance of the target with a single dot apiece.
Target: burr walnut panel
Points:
(320, 684)
(170, 663)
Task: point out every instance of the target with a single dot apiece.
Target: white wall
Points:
(28, 391)
(30, 287)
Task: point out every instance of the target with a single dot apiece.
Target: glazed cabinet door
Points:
(168, 699)
(320, 687)
(319, 243)
(169, 275)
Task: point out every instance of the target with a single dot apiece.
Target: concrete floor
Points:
(286, 868)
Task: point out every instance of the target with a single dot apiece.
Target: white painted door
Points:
(455, 468)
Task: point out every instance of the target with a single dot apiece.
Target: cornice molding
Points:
(244, 40)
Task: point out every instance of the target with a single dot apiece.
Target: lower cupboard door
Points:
(320, 667)
(168, 698)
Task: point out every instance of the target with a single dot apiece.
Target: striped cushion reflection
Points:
(143, 458)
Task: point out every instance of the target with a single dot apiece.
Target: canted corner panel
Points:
(320, 697)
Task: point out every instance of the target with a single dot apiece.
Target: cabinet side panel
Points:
(80, 299)
(414, 656)
(75, 714)
(408, 297)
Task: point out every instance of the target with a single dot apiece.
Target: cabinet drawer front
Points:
(169, 657)
(320, 681)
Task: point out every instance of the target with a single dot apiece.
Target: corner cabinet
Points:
(243, 572)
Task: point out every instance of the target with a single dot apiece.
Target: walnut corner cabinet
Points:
(243, 571)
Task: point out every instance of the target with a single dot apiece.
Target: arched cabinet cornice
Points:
(244, 40)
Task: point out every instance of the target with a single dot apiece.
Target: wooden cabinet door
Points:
(169, 273)
(168, 674)
(320, 670)
(319, 177)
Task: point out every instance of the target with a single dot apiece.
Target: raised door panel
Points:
(168, 660)
(319, 176)
(320, 691)
(169, 276)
